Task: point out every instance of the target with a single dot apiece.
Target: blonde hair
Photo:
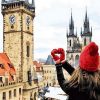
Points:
(86, 81)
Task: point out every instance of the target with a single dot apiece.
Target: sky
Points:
(52, 22)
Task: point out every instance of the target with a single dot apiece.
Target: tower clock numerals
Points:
(28, 20)
(12, 19)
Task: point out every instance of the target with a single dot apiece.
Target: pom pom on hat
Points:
(89, 58)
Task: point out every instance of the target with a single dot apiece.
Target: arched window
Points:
(28, 49)
(76, 60)
(84, 41)
(70, 43)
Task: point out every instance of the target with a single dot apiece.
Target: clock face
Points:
(12, 19)
(28, 20)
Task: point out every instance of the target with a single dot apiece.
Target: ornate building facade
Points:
(18, 43)
(74, 46)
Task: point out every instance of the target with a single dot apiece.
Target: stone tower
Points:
(18, 18)
(86, 34)
(73, 45)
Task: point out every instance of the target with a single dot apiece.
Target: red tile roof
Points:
(6, 66)
(38, 65)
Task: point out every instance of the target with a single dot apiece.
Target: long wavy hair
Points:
(86, 82)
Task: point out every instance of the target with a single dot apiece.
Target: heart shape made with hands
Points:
(58, 54)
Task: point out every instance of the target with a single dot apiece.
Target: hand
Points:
(62, 54)
(54, 53)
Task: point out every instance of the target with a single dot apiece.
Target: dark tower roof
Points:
(7, 3)
(86, 31)
(49, 61)
(71, 27)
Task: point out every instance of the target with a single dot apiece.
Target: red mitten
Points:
(62, 54)
(53, 53)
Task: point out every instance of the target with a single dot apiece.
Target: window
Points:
(12, 26)
(76, 60)
(70, 43)
(14, 92)
(28, 51)
(4, 96)
(6, 81)
(20, 91)
(10, 65)
(9, 94)
(0, 79)
(28, 28)
(1, 66)
(84, 41)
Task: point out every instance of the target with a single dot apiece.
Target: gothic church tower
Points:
(73, 45)
(86, 35)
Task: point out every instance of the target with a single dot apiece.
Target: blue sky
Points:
(52, 21)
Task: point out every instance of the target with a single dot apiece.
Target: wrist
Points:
(58, 62)
(63, 61)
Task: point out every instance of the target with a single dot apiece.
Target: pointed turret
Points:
(71, 26)
(86, 35)
(86, 25)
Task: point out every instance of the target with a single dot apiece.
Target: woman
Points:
(85, 80)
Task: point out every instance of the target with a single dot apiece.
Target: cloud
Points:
(52, 22)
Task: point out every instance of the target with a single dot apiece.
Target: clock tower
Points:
(18, 35)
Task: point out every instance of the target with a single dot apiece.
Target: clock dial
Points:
(12, 19)
(28, 20)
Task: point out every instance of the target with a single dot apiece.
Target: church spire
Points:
(86, 24)
(86, 18)
(71, 25)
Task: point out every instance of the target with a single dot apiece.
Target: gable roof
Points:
(6, 65)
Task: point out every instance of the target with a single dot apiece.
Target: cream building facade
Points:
(50, 76)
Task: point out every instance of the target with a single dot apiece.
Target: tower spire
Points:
(71, 25)
(86, 18)
(86, 24)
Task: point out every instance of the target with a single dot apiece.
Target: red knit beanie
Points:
(89, 58)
